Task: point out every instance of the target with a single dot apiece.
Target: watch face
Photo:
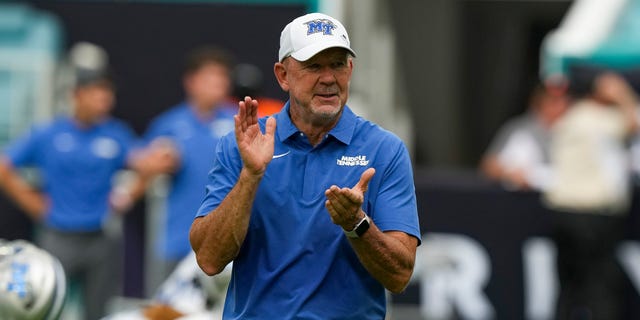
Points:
(362, 227)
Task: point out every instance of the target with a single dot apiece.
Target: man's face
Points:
(94, 101)
(208, 85)
(319, 87)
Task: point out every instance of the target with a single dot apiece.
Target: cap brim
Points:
(307, 52)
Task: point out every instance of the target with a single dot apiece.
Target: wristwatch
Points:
(360, 228)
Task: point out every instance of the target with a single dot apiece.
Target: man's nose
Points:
(327, 75)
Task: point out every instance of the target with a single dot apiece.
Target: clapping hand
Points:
(256, 148)
(344, 204)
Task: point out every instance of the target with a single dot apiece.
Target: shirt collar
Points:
(343, 131)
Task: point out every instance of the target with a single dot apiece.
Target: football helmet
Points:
(32, 282)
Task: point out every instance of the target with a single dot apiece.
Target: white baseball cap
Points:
(307, 35)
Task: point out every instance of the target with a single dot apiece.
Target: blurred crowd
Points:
(575, 146)
(92, 169)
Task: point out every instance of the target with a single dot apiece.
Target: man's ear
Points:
(280, 70)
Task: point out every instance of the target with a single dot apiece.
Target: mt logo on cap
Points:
(307, 35)
(320, 25)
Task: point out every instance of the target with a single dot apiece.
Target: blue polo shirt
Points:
(196, 140)
(76, 165)
(295, 263)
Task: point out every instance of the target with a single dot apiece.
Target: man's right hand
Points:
(256, 148)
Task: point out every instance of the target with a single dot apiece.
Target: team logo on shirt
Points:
(220, 127)
(106, 148)
(348, 161)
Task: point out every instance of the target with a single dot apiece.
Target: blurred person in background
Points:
(590, 196)
(187, 135)
(248, 81)
(187, 294)
(518, 155)
(77, 157)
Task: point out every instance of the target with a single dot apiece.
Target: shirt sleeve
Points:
(129, 142)
(25, 150)
(395, 207)
(503, 134)
(157, 128)
(223, 175)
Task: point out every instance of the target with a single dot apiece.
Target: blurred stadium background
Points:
(442, 74)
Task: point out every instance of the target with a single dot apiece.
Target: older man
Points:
(315, 205)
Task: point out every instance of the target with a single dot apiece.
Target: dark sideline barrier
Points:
(486, 252)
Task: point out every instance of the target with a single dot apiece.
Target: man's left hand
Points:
(345, 204)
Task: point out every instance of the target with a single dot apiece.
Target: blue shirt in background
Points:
(77, 165)
(295, 263)
(196, 141)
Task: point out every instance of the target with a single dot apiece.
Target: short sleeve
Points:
(502, 136)
(129, 141)
(222, 176)
(157, 128)
(395, 206)
(25, 150)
